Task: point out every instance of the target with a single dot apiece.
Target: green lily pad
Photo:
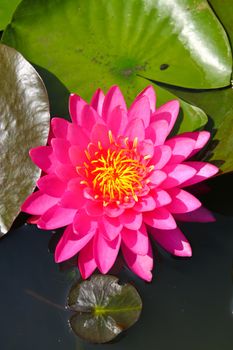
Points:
(190, 116)
(223, 10)
(218, 105)
(7, 8)
(75, 57)
(103, 308)
(24, 116)
(90, 44)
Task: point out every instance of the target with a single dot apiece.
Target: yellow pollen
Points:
(116, 175)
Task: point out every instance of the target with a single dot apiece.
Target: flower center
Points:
(116, 174)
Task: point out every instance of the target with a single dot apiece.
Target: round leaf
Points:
(190, 117)
(78, 71)
(88, 44)
(103, 308)
(24, 123)
(225, 16)
(6, 11)
(218, 105)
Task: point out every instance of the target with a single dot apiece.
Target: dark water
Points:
(188, 305)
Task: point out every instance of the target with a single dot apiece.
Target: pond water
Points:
(188, 305)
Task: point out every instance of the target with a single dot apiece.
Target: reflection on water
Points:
(188, 304)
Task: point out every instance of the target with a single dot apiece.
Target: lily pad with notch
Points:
(103, 308)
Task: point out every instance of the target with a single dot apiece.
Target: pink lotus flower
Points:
(111, 174)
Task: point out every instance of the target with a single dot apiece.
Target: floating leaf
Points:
(218, 105)
(78, 57)
(7, 7)
(88, 44)
(103, 308)
(24, 123)
(223, 10)
(190, 117)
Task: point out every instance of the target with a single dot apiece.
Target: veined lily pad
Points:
(24, 123)
(96, 45)
(103, 308)
(88, 44)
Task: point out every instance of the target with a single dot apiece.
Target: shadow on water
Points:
(57, 92)
(31, 285)
(188, 302)
(188, 305)
(218, 197)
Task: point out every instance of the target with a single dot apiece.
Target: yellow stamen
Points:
(83, 182)
(99, 145)
(135, 142)
(126, 141)
(148, 156)
(151, 168)
(110, 136)
(116, 174)
(87, 154)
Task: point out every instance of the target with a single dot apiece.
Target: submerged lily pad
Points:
(103, 308)
(24, 123)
